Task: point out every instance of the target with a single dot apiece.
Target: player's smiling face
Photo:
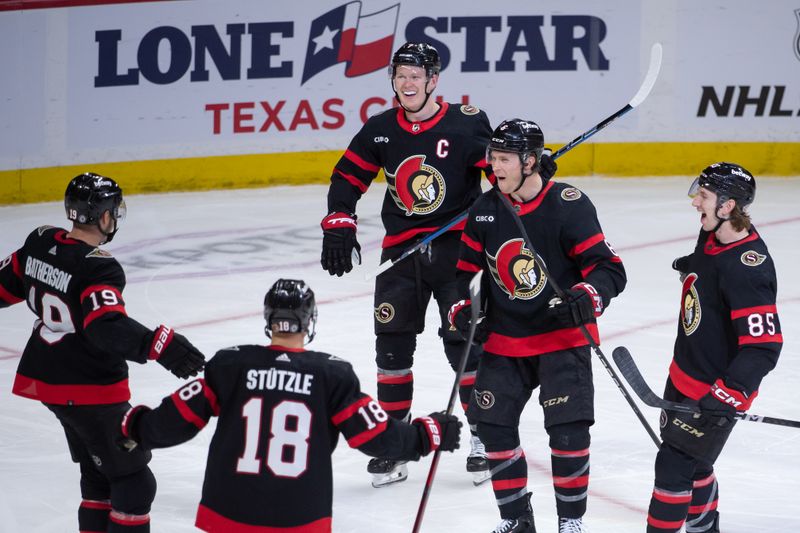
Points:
(507, 169)
(409, 83)
(705, 202)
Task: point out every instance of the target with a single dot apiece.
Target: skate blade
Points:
(481, 476)
(395, 476)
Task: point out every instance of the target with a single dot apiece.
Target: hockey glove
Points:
(719, 406)
(129, 438)
(459, 318)
(438, 430)
(547, 166)
(583, 304)
(340, 249)
(174, 352)
(681, 265)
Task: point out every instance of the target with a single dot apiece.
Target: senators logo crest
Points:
(515, 271)
(752, 258)
(690, 305)
(416, 188)
(384, 313)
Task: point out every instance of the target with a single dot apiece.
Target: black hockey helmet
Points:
(289, 307)
(90, 195)
(417, 55)
(523, 137)
(729, 181)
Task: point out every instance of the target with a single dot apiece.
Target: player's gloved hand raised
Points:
(128, 438)
(438, 430)
(547, 165)
(340, 249)
(581, 304)
(174, 352)
(460, 318)
(681, 265)
(718, 407)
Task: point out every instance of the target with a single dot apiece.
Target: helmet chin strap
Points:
(524, 176)
(720, 220)
(109, 235)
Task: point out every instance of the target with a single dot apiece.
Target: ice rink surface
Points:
(202, 262)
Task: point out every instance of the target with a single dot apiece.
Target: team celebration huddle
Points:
(521, 271)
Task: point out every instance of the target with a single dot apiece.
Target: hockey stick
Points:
(631, 373)
(560, 293)
(644, 90)
(474, 311)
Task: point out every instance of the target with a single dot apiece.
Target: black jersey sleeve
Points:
(585, 242)
(354, 171)
(178, 418)
(471, 258)
(751, 292)
(106, 324)
(12, 290)
(364, 423)
(478, 142)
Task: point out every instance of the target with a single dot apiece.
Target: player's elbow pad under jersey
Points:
(120, 336)
(399, 442)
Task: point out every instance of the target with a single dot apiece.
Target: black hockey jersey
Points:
(77, 352)
(432, 168)
(728, 325)
(280, 414)
(562, 224)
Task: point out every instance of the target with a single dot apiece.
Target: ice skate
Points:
(572, 525)
(385, 471)
(477, 463)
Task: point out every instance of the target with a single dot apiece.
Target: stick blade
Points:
(628, 369)
(651, 76)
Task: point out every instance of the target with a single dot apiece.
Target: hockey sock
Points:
(703, 507)
(128, 523)
(509, 480)
(508, 467)
(569, 460)
(395, 391)
(570, 481)
(465, 388)
(667, 510)
(93, 516)
(672, 492)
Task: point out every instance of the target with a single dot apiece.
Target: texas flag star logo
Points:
(344, 35)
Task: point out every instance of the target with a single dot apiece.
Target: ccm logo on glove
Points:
(597, 300)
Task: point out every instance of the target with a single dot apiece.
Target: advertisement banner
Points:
(141, 81)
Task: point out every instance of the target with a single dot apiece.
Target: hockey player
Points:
(729, 338)
(75, 361)
(281, 409)
(531, 338)
(432, 154)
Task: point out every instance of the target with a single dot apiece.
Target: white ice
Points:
(202, 262)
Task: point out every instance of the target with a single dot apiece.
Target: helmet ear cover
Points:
(290, 307)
